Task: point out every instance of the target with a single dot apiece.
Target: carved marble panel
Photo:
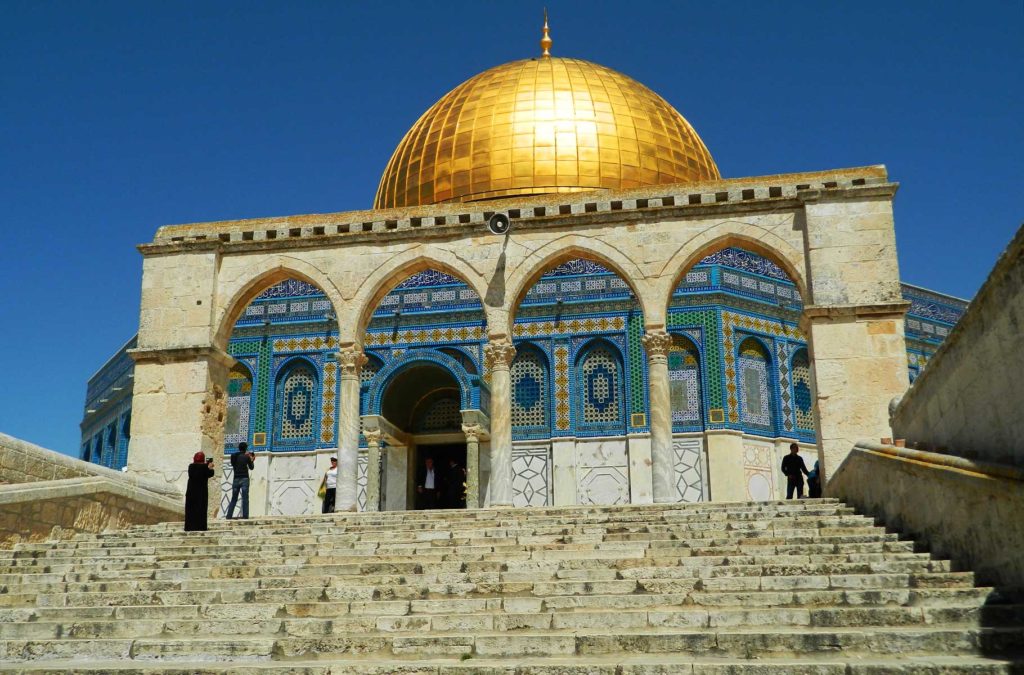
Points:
(293, 480)
(602, 470)
(759, 470)
(225, 489)
(531, 476)
(689, 465)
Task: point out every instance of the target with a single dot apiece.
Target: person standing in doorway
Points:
(197, 492)
(331, 486)
(242, 463)
(428, 484)
(794, 469)
(454, 485)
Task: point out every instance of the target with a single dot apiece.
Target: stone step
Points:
(728, 643)
(663, 664)
(148, 625)
(943, 598)
(255, 577)
(372, 563)
(323, 589)
(704, 538)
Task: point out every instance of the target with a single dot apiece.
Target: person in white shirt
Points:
(331, 482)
(428, 485)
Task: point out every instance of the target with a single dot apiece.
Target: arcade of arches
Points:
(645, 331)
(669, 358)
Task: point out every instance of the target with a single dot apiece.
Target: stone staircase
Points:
(723, 588)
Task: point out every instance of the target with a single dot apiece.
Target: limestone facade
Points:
(832, 233)
(969, 399)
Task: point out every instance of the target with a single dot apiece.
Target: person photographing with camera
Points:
(242, 464)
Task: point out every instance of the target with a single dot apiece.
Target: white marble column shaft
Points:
(499, 354)
(657, 344)
(372, 469)
(350, 361)
(472, 432)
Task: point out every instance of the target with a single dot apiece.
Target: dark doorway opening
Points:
(451, 479)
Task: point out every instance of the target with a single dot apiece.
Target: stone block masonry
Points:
(968, 401)
(44, 494)
(59, 509)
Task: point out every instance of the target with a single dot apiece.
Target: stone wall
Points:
(24, 462)
(983, 527)
(56, 509)
(968, 400)
(46, 494)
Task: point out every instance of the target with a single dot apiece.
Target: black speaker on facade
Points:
(499, 223)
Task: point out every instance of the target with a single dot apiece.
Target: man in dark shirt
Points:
(241, 462)
(794, 469)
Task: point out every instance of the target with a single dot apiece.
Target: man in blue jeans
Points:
(241, 462)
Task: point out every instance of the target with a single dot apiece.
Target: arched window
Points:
(753, 385)
(599, 374)
(236, 426)
(295, 404)
(802, 404)
(684, 381)
(529, 374)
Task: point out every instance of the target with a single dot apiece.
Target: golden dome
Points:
(541, 126)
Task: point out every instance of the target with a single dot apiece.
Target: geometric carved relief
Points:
(689, 471)
(361, 480)
(225, 489)
(293, 481)
(531, 479)
(759, 471)
(602, 470)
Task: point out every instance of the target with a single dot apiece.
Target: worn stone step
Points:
(747, 644)
(635, 665)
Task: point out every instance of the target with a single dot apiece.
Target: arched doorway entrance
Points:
(422, 424)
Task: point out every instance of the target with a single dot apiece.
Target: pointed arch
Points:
(803, 396)
(530, 376)
(549, 256)
(754, 385)
(241, 380)
(296, 402)
(686, 378)
(600, 389)
(392, 273)
(250, 283)
(732, 234)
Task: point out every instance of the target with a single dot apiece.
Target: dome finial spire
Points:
(545, 42)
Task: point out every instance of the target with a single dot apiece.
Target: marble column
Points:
(372, 469)
(472, 432)
(350, 362)
(657, 344)
(499, 354)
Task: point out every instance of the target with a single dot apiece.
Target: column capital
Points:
(499, 354)
(656, 344)
(372, 436)
(351, 359)
(473, 432)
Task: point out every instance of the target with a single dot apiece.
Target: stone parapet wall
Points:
(982, 530)
(438, 216)
(55, 509)
(968, 400)
(24, 462)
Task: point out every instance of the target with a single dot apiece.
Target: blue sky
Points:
(118, 117)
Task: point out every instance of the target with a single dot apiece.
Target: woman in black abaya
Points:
(200, 471)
